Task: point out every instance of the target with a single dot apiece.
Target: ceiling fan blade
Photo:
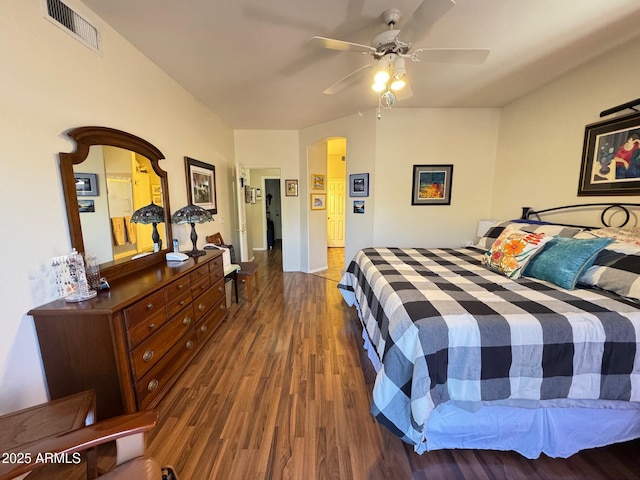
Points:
(470, 56)
(346, 81)
(427, 13)
(405, 93)
(333, 44)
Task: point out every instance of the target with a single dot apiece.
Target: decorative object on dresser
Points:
(151, 214)
(192, 214)
(132, 343)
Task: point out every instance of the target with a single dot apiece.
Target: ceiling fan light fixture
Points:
(398, 84)
(381, 76)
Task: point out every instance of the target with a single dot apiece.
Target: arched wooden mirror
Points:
(109, 176)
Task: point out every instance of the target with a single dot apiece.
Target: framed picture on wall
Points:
(431, 185)
(318, 201)
(359, 185)
(611, 157)
(291, 188)
(201, 184)
(86, 184)
(317, 181)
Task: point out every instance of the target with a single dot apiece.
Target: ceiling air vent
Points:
(70, 21)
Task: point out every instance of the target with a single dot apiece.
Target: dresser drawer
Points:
(217, 290)
(198, 274)
(204, 302)
(216, 269)
(179, 287)
(163, 374)
(199, 287)
(142, 309)
(208, 324)
(149, 352)
(174, 305)
(144, 327)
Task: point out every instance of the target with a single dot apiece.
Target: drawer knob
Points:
(223, 306)
(153, 384)
(203, 328)
(149, 306)
(148, 355)
(181, 302)
(152, 326)
(201, 307)
(189, 345)
(180, 286)
(220, 288)
(187, 321)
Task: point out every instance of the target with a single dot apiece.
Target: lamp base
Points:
(195, 253)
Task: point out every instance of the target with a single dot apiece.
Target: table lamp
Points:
(154, 215)
(192, 214)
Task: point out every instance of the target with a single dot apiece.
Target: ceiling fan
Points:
(392, 47)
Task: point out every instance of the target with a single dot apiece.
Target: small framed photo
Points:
(201, 184)
(86, 206)
(318, 201)
(358, 206)
(359, 185)
(291, 188)
(611, 157)
(431, 185)
(317, 181)
(86, 184)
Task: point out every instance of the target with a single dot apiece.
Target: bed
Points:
(472, 356)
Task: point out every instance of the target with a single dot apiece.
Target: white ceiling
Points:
(249, 61)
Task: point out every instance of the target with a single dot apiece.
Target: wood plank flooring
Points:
(282, 391)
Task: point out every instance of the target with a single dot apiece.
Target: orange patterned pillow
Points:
(512, 251)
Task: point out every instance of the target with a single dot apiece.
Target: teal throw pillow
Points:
(563, 260)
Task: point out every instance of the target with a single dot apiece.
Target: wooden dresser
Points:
(132, 342)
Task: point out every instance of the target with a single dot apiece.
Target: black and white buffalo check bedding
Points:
(447, 329)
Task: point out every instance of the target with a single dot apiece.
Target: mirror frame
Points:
(86, 137)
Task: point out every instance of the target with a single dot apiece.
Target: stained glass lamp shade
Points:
(151, 214)
(192, 214)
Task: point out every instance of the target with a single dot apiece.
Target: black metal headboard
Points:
(607, 210)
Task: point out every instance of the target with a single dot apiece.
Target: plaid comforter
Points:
(446, 329)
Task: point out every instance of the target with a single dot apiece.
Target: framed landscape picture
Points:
(431, 185)
(359, 185)
(86, 184)
(201, 184)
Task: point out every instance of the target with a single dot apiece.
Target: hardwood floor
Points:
(282, 391)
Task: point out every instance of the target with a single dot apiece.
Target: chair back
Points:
(216, 239)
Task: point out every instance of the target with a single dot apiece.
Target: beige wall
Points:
(50, 83)
(541, 135)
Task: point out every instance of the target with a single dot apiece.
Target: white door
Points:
(335, 212)
(242, 215)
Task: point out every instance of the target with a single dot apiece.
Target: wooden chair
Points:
(247, 274)
(129, 432)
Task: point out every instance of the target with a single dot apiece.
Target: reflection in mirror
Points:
(125, 182)
(107, 177)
